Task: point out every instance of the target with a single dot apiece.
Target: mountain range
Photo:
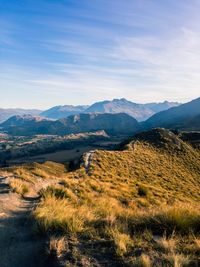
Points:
(183, 117)
(140, 112)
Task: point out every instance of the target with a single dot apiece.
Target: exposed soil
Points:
(20, 244)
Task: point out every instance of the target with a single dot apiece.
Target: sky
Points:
(57, 52)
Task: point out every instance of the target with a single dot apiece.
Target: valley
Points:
(22, 149)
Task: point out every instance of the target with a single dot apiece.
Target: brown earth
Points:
(20, 244)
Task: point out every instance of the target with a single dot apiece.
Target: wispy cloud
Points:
(85, 51)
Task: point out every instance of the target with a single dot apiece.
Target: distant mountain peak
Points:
(64, 111)
(138, 111)
(7, 113)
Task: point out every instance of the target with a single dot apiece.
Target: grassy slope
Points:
(137, 207)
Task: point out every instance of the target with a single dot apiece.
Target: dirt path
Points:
(20, 246)
(88, 159)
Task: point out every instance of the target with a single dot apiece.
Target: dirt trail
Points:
(20, 246)
(88, 159)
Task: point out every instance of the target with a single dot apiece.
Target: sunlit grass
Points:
(143, 201)
(19, 186)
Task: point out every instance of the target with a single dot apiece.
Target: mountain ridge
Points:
(59, 112)
(120, 123)
(137, 111)
(6, 113)
(179, 117)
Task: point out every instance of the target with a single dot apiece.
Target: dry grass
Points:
(19, 187)
(180, 217)
(57, 246)
(177, 260)
(143, 261)
(197, 244)
(107, 218)
(33, 176)
(55, 213)
(122, 241)
(127, 198)
(167, 244)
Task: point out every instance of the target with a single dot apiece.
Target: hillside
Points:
(183, 117)
(112, 123)
(20, 120)
(192, 138)
(134, 207)
(59, 112)
(191, 124)
(138, 111)
(7, 113)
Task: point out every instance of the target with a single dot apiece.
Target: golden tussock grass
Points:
(19, 186)
(177, 260)
(127, 198)
(122, 241)
(58, 214)
(57, 245)
(142, 261)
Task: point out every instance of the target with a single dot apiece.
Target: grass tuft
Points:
(122, 241)
(142, 261)
(19, 186)
(177, 260)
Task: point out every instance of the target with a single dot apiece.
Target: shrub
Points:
(143, 191)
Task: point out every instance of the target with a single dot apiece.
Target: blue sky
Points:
(82, 51)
